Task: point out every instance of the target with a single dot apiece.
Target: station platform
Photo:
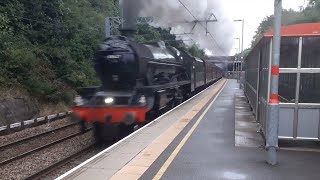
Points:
(211, 136)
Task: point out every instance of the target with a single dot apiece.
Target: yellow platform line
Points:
(184, 140)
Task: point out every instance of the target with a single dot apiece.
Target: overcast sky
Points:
(253, 12)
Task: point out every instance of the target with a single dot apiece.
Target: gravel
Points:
(73, 163)
(26, 166)
(33, 131)
(37, 142)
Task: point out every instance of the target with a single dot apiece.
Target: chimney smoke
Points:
(172, 14)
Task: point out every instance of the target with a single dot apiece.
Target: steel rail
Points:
(15, 143)
(7, 161)
(48, 169)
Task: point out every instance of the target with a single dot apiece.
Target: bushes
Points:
(47, 46)
(311, 13)
(147, 33)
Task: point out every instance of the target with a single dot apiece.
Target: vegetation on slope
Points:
(47, 46)
(311, 13)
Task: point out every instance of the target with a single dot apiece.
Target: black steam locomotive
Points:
(139, 81)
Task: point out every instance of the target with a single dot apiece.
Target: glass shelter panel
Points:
(287, 87)
(309, 88)
(252, 69)
(310, 52)
(289, 52)
(264, 69)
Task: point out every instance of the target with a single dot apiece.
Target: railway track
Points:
(54, 166)
(24, 140)
(51, 168)
(9, 160)
(44, 172)
(25, 156)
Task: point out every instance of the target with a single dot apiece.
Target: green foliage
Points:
(246, 52)
(147, 33)
(194, 50)
(310, 14)
(288, 17)
(47, 46)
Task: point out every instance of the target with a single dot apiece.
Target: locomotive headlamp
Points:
(114, 56)
(142, 100)
(108, 100)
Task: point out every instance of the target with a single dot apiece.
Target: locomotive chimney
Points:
(129, 14)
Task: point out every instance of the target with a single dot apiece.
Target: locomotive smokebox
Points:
(130, 10)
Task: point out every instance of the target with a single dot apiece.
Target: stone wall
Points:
(17, 109)
(17, 106)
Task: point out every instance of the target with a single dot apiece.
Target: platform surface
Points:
(110, 161)
(210, 152)
(213, 136)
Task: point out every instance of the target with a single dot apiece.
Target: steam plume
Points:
(171, 13)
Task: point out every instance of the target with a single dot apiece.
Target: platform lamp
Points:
(242, 54)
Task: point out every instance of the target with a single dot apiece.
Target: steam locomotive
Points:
(139, 81)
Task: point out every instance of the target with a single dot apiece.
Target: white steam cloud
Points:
(171, 13)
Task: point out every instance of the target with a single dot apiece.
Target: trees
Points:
(194, 50)
(47, 46)
(311, 13)
(314, 3)
(147, 33)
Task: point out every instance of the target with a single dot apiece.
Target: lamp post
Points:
(273, 111)
(238, 66)
(241, 57)
(242, 31)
